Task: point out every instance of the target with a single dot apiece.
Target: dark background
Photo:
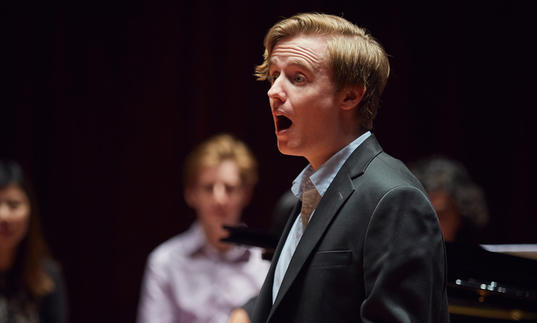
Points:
(101, 102)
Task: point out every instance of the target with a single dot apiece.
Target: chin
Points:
(286, 150)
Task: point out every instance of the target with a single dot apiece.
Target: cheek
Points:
(235, 207)
(22, 223)
(201, 207)
(203, 217)
(320, 104)
(197, 201)
(19, 228)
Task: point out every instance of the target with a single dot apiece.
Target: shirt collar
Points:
(322, 178)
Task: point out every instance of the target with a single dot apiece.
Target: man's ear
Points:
(351, 96)
(190, 197)
(247, 196)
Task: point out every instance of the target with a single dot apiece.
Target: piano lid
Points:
(522, 250)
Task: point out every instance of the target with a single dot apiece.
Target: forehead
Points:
(308, 50)
(226, 171)
(12, 191)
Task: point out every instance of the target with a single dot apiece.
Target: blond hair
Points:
(217, 149)
(355, 57)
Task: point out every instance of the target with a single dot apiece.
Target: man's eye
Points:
(230, 189)
(273, 77)
(207, 188)
(299, 78)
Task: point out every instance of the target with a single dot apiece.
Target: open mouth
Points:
(283, 123)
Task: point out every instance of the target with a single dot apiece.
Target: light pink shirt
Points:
(187, 281)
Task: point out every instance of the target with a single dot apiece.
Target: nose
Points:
(276, 93)
(220, 194)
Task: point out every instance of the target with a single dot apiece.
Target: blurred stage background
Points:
(102, 101)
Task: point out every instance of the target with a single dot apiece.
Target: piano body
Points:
(491, 286)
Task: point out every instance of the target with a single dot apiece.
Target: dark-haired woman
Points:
(31, 284)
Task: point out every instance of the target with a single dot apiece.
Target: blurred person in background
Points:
(31, 285)
(458, 200)
(195, 277)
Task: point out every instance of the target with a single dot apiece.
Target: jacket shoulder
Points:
(385, 172)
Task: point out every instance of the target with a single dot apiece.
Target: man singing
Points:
(364, 244)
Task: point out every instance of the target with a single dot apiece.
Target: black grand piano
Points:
(491, 286)
(483, 285)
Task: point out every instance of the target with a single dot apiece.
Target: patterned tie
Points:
(310, 199)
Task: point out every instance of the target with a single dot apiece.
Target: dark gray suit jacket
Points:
(372, 252)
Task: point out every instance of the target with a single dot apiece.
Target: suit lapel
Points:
(334, 198)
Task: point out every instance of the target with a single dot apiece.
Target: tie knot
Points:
(306, 184)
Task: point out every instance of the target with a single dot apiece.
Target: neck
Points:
(213, 235)
(220, 246)
(317, 161)
(348, 129)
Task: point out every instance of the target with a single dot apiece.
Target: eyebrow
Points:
(296, 62)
